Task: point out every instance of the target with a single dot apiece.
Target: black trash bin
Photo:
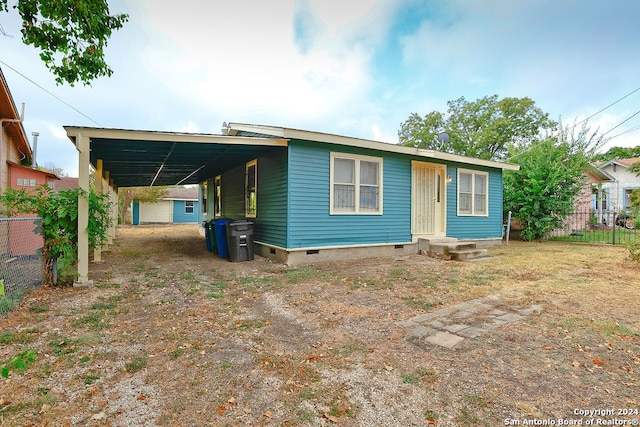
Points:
(240, 240)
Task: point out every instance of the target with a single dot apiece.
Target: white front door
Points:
(428, 199)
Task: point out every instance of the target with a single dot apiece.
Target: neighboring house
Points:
(65, 183)
(16, 171)
(624, 182)
(327, 196)
(180, 206)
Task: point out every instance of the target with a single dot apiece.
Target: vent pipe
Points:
(35, 149)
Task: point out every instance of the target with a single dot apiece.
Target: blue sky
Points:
(355, 68)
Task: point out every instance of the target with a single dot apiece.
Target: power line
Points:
(633, 129)
(55, 96)
(622, 122)
(610, 105)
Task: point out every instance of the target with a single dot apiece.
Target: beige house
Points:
(618, 191)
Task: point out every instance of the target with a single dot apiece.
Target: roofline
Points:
(162, 136)
(595, 170)
(16, 114)
(289, 133)
(43, 172)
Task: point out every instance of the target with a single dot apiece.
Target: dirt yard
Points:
(170, 335)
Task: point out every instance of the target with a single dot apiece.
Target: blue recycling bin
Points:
(220, 231)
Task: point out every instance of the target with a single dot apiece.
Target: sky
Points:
(350, 67)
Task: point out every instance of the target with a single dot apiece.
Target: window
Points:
(251, 185)
(26, 182)
(217, 196)
(356, 184)
(188, 206)
(205, 197)
(472, 192)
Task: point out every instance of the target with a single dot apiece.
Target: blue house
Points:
(312, 196)
(323, 196)
(181, 205)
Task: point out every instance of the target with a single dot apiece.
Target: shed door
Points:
(428, 199)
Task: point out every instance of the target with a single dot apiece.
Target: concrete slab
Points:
(472, 332)
(510, 317)
(455, 327)
(444, 339)
(420, 331)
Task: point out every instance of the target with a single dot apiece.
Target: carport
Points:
(134, 158)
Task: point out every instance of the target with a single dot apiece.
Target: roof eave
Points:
(366, 143)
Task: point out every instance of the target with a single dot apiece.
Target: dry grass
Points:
(172, 336)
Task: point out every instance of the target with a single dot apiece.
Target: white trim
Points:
(473, 174)
(366, 143)
(158, 136)
(254, 163)
(357, 159)
(443, 198)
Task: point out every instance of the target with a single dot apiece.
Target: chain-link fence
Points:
(598, 226)
(21, 260)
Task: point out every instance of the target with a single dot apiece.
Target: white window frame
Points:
(189, 204)
(217, 196)
(356, 209)
(474, 209)
(247, 194)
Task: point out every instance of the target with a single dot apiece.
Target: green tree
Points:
(618, 153)
(487, 128)
(542, 193)
(142, 194)
(59, 222)
(70, 34)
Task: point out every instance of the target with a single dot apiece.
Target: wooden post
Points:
(83, 146)
(97, 182)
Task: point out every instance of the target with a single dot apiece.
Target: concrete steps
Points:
(450, 249)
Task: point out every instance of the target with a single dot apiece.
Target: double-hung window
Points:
(188, 206)
(356, 184)
(473, 192)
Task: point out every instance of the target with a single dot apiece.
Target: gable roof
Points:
(626, 163)
(182, 193)
(244, 129)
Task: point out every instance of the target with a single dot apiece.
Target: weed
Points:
(431, 415)
(85, 359)
(90, 379)
(38, 309)
(418, 301)
(251, 324)
(95, 319)
(177, 352)
(477, 400)
(8, 303)
(63, 347)
(19, 362)
(467, 418)
(19, 337)
(418, 376)
(137, 363)
(303, 274)
(103, 306)
(108, 286)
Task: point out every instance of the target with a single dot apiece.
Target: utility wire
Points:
(56, 97)
(614, 103)
(622, 122)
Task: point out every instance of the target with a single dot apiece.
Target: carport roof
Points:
(136, 158)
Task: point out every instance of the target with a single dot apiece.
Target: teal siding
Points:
(270, 223)
(179, 214)
(271, 218)
(311, 225)
(475, 227)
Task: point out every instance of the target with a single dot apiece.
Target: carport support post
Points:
(82, 145)
(97, 182)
